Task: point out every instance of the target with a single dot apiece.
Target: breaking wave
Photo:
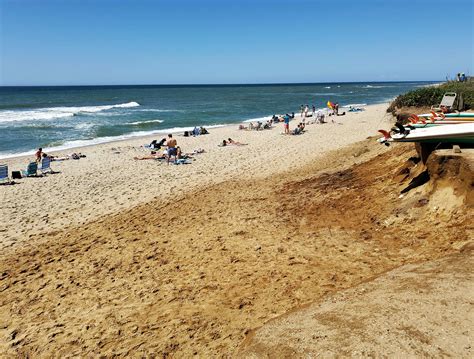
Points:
(51, 113)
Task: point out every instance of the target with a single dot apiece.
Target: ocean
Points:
(58, 118)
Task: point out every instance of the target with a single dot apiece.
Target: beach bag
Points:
(186, 133)
(16, 174)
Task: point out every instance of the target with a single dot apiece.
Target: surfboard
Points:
(455, 133)
(469, 116)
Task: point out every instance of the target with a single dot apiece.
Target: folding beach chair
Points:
(31, 170)
(447, 101)
(46, 165)
(4, 178)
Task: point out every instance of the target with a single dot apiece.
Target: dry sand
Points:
(417, 310)
(109, 180)
(242, 236)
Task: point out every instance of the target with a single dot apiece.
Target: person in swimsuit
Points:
(286, 124)
(171, 145)
(230, 141)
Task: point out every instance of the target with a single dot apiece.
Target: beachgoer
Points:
(230, 141)
(203, 131)
(302, 110)
(171, 145)
(286, 124)
(154, 156)
(157, 145)
(39, 155)
(314, 110)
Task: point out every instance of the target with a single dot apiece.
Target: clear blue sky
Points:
(67, 42)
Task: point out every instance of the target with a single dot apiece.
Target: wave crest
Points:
(51, 113)
(139, 123)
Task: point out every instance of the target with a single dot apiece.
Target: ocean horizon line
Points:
(221, 84)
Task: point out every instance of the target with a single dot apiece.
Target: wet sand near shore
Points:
(193, 275)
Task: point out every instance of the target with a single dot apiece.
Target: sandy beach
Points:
(109, 180)
(117, 257)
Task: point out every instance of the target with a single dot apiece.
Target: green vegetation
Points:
(429, 96)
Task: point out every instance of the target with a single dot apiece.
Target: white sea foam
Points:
(84, 126)
(138, 123)
(158, 110)
(327, 87)
(50, 113)
(95, 141)
(375, 86)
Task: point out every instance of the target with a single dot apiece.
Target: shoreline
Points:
(137, 135)
(109, 180)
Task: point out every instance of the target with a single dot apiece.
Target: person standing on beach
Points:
(302, 110)
(286, 124)
(314, 110)
(171, 144)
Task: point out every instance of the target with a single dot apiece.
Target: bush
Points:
(429, 96)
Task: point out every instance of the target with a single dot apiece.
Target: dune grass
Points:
(428, 96)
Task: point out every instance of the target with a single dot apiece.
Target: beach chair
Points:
(447, 102)
(31, 170)
(4, 178)
(46, 165)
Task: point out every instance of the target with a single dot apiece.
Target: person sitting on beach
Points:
(182, 156)
(203, 131)
(39, 155)
(242, 127)
(251, 126)
(320, 117)
(171, 145)
(196, 131)
(299, 129)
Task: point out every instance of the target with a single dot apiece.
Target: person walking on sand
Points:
(286, 124)
(171, 145)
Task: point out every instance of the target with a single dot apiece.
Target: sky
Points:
(111, 42)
